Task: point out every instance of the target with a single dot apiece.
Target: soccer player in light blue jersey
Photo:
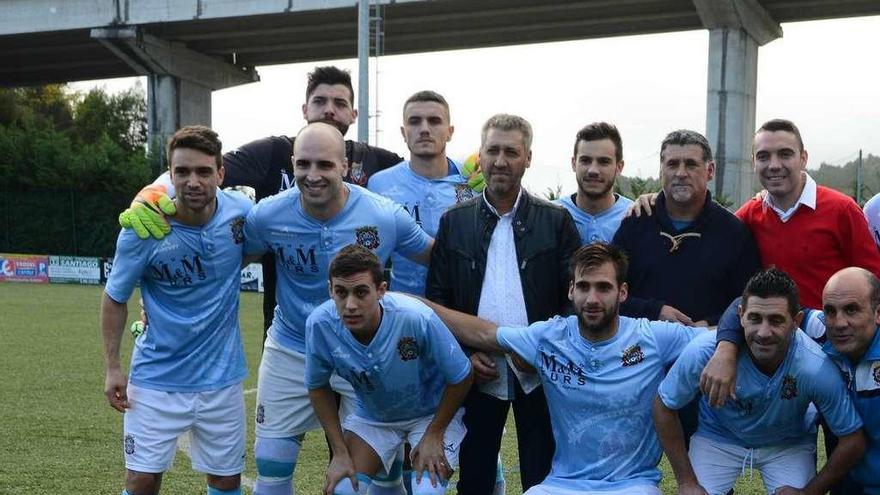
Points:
(597, 161)
(186, 371)
(781, 372)
(600, 372)
(427, 184)
(305, 227)
(408, 372)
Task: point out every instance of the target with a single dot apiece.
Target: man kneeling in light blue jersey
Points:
(186, 371)
(305, 227)
(767, 426)
(409, 375)
(600, 372)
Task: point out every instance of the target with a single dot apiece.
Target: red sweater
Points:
(813, 244)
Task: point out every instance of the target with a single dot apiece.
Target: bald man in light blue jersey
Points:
(408, 372)
(427, 184)
(305, 227)
(780, 373)
(596, 163)
(186, 371)
(600, 372)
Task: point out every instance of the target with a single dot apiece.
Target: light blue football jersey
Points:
(596, 228)
(426, 200)
(190, 283)
(304, 246)
(600, 397)
(768, 410)
(401, 373)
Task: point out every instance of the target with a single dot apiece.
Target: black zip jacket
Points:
(545, 238)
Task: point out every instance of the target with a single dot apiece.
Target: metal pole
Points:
(363, 70)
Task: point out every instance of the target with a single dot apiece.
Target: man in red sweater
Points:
(808, 231)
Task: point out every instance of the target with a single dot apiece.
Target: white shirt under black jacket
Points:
(502, 301)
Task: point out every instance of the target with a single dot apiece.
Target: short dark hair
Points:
(598, 131)
(507, 122)
(685, 137)
(427, 95)
(329, 75)
(597, 254)
(772, 282)
(354, 259)
(197, 137)
(775, 125)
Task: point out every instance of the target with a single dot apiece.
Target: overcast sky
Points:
(824, 75)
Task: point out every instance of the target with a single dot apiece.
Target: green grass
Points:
(57, 433)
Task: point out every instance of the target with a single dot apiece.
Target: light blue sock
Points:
(217, 491)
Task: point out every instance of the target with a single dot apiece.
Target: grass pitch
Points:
(57, 433)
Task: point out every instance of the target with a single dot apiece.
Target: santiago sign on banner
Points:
(74, 270)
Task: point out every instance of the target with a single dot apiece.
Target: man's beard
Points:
(603, 324)
(598, 195)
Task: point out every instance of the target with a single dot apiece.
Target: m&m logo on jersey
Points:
(368, 236)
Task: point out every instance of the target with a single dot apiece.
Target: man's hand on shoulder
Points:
(668, 313)
(147, 212)
(643, 205)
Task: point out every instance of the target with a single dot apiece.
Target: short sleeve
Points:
(523, 340)
(834, 401)
(411, 239)
(682, 383)
(254, 243)
(131, 259)
(672, 338)
(445, 351)
(319, 364)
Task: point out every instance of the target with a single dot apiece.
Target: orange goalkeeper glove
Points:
(147, 212)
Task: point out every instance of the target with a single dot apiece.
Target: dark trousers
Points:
(846, 486)
(484, 417)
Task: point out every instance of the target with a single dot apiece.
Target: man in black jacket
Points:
(504, 256)
(691, 257)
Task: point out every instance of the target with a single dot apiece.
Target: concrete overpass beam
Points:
(736, 29)
(180, 80)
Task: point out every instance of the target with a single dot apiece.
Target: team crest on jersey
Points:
(367, 237)
(789, 387)
(632, 356)
(261, 414)
(463, 192)
(875, 372)
(237, 227)
(357, 175)
(129, 444)
(407, 348)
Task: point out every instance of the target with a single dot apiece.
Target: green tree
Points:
(68, 163)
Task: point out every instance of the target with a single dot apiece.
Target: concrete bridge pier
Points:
(179, 80)
(736, 29)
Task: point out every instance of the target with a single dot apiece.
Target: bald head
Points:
(850, 302)
(321, 135)
(854, 280)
